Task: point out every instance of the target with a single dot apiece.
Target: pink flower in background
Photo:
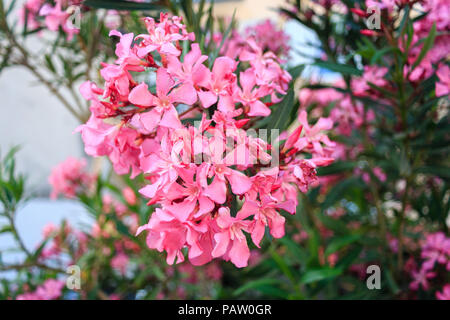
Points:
(377, 172)
(444, 294)
(372, 74)
(55, 17)
(120, 262)
(213, 271)
(420, 279)
(443, 86)
(69, 177)
(51, 289)
(49, 229)
(129, 195)
(269, 37)
(436, 250)
(30, 12)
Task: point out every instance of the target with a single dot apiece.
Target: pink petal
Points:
(170, 118)
(185, 93)
(163, 82)
(258, 232)
(240, 253)
(141, 96)
(217, 191)
(239, 182)
(226, 103)
(257, 108)
(222, 240)
(207, 98)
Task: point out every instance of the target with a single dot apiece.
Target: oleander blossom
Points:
(52, 15)
(70, 176)
(435, 253)
(214, 183)
(51, 289)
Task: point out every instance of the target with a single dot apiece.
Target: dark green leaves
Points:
(320, 274)
(123, 5)
(281, 116)
(428, 43)
(337, 67)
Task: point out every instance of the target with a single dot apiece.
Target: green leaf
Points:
(297, 252)
(255, 284)
(296, 71)
(426, 46)
(122, 5)
(339, 191)
(227, 32)
(338, 243)
(336, 167)
(443, 172)
(315, 275)
(6, 228)
(280, 117)
(282, 265)
(338, 67)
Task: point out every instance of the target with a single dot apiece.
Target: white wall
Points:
(32, 118)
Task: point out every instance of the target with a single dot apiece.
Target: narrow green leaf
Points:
(337, 67)
(315, 275)
(426, 46)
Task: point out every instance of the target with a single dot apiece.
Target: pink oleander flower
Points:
(191, 71)
(314, 136)
(382, 4)
(164, 112)
(443, 86)
(377, 172)
(49, 229)
(373, 75)
(51, 289)
(436, 250)
(161, 36)
(129, 196)
(69, 177)
(250, 96)
(213, 271)
(196, 172)
(55, 17)
(445, 294)
(266, 215)
(230, 239)
(30, 13)
(218, 84)
(420, 279)
(120, 262)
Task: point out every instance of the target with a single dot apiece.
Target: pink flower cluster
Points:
(269, 37)
(69, 177)
(435, 251)
(55, 16)
(438, 12)
(214, 182)
(51, 289)
(261, 45)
